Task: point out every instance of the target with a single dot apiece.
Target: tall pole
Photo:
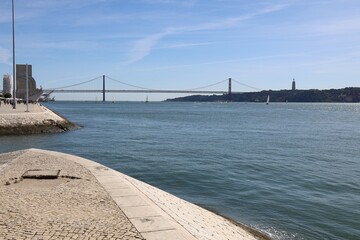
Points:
(103, 88)
(27, 88)
(14, 66)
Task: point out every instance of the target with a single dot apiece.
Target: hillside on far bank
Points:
(350, 94)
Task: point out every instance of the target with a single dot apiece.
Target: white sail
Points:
(268, 99)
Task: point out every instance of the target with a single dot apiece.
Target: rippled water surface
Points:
(290, 170)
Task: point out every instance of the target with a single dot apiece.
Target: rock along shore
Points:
(39, 119)
(87, 200)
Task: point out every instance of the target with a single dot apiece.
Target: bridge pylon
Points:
(229, 90)
(103, 91)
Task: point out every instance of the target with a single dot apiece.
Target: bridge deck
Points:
(135, 91)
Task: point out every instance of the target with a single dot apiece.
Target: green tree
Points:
(7, 95)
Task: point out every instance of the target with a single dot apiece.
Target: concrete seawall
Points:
(39, 119)
(86, 200)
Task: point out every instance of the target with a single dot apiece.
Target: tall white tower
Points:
(293, 86)
(7, 84)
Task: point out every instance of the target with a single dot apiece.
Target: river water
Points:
(289, 170)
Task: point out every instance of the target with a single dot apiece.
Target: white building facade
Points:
(7, 84)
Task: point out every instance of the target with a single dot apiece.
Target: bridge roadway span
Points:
(136, 91)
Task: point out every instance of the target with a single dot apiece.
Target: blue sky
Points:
(173, 44)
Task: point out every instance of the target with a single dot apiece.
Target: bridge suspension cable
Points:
(245, 85)
(193, 89)
(77, 84)
(127, 84)
(143, 89)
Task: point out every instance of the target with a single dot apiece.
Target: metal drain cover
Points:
(41, 174)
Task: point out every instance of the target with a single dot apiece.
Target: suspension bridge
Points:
(138, 89)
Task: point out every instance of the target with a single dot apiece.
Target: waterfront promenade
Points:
(86, 200)
(39, 119)
(20, 108)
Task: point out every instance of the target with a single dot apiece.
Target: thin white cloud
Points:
(27, 10)
(5, 57)
(102, 19)
(106, 18)
(144, 46)
(184, 45)
(338, 26)
(249, 59)
(68, 4)
(177, 2)
(65, 45)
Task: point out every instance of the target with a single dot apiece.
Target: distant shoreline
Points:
(344, 95)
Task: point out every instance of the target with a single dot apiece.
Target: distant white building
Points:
(7, 84)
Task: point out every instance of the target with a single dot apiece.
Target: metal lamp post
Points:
(14, 66)
(27, 88)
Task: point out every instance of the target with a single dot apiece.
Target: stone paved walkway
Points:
(74, 206)
(37, 115)
(20, 108)
(91, 201)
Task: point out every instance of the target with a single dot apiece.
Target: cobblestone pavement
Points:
(37, 114)
(74, 206)
(201, 223)
(20, 108)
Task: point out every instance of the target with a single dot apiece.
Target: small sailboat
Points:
(268, 100)
(113, 100)
(147, 99)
